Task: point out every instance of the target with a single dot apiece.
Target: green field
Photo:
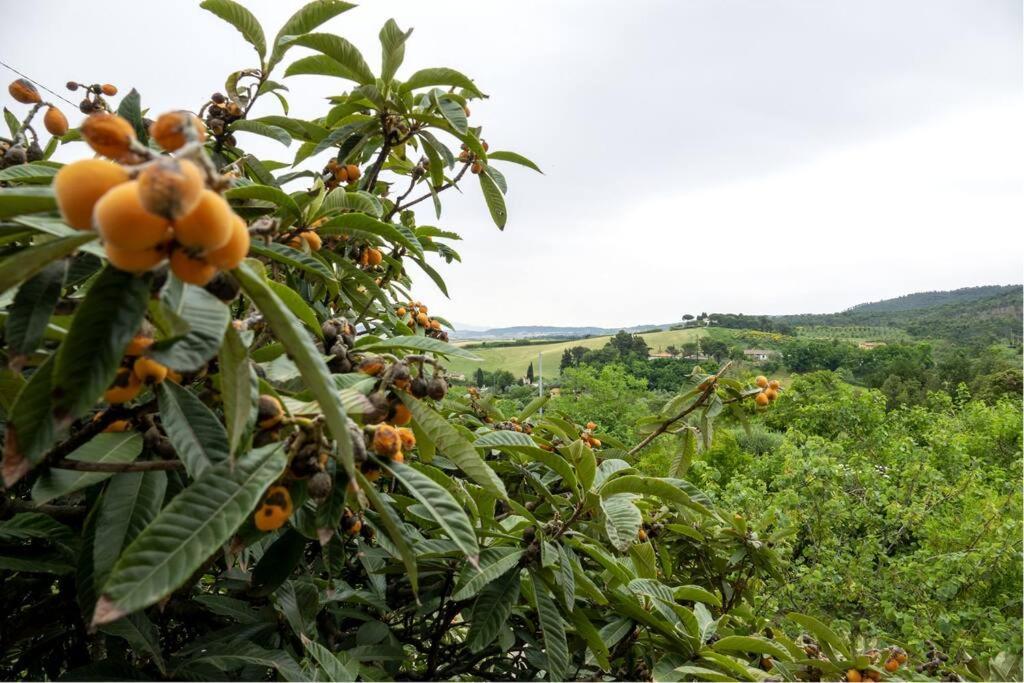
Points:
(515, 359)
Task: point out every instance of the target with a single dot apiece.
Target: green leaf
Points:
(129, 503)
(751, 644)
(297, 259)
(593, 638)
(514, 158)
(33, 525)
(586, 467)
(33, 305)
(278, 562)
(27, 262)
(335, 669)
(364, 223)
(450, 443)
(495, 200)
(338, 49)
(622, 519)
(185, 533)
(13, 124)
(31, 173)
(822, 633)
(487, 573)
(103, 325)
(297, 128)
(338, 199)
(506, 438)
(112, 448)
(553, 461)
(392, 42)
(452, 112)
(668, 490)
(15, 201)
(130, 108)
(393, 526)
(30, 427)
(420, 344)
(696, 594)
(440, 76)
(298, 306)
(140, 633)
(440, 505)
(195, 432)
(552, 627)
(267, 131)
(240, 18)
(207, 317)
(492, 609)
(684, 456)
(229, 656)
(239, 389)
(738, 670)
(266, 193)
(304, 21)
(318, 65)
(310, 363)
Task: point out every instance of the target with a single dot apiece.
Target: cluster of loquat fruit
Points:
(308, 459)
(514, 425)
(94, 94)
(414, 314)
(335, 173)
(309, 237)
(220, 112)
(370, 257)
(384, 432)
(137, 371)
(466, 156)
(19, 150)
(769, 390)
(151, 208)
(588, 435)
(895, 657)
(385, 422)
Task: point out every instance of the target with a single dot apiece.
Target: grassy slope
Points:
(515, 359)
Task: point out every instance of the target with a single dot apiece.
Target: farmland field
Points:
(853, 332)
(515, 359)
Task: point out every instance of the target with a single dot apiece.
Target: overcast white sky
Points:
(742, 156)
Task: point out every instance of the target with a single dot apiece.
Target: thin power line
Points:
(29, 78)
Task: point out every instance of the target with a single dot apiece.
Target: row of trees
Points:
(907, 372)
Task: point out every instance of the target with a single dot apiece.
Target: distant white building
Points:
(758, 354)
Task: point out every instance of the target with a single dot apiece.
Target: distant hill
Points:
(544, 331)
(971, 314)
(976, 315)
(910, 302)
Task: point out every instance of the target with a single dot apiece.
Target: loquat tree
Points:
(230, 447)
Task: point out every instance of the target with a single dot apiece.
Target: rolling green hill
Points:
(515, 359)
(973, 315)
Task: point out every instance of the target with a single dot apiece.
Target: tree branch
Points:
(692, 407)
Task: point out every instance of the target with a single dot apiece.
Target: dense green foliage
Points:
(901, 524)
(904, 523)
